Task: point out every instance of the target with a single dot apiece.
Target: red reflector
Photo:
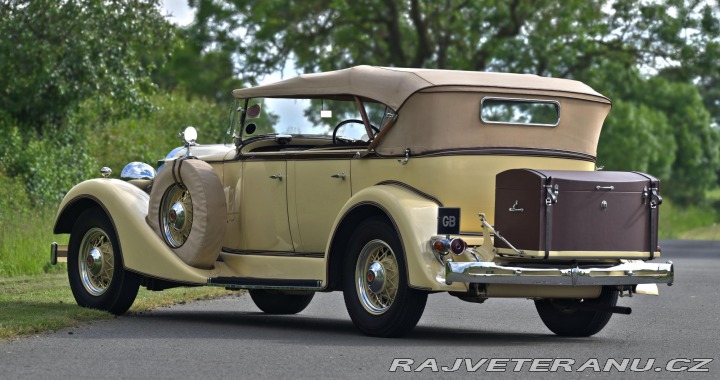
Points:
(457, 246)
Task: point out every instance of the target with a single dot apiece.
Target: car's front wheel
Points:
(565, 320)
(97, 277)
(375, 287)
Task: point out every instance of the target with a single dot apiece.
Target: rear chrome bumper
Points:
(622, 274)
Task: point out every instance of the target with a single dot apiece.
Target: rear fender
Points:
(415, 220)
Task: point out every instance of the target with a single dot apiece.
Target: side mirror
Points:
(253, 112)
(190, 135)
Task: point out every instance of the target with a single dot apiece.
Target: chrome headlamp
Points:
(137, 170)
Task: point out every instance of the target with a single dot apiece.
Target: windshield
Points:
(312, 117)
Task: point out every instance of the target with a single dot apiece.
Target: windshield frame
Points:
(237, 129)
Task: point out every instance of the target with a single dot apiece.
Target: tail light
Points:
(458, 246)
(439, 246)
(444, 246)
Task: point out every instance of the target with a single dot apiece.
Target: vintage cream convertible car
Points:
(387, 184)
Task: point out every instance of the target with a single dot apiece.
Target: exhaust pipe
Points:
(603, 308)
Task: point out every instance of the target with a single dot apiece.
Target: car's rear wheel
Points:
(97, 277)
(375, 287)
(276, 302)
(565, 320)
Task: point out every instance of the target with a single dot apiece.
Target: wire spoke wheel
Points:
(377, 295)
(377, 277)
(176, 215)
(96, 261)
(96, 273)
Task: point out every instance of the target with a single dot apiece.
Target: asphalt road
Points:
(230, 338)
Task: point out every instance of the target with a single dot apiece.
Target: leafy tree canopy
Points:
(209, 74)
(661, 127)
(55, 54)
(545, 37)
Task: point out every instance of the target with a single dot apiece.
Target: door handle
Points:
(341, 176)
(277, 176)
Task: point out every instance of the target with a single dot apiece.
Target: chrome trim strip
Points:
(265, 287)
(413, 189)
(623, 274)
(314, 255)
(504, 151)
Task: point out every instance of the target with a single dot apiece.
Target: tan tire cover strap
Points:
(203, 245)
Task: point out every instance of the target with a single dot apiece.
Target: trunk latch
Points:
(552, 195)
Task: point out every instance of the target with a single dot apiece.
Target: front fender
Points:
(126, 205)
(415, 219)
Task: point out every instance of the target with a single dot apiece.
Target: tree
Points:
(208, 74)
(697, 156)
(55, 54)
(544, 37)
(55, 57)
(662, 119)
(661, 127)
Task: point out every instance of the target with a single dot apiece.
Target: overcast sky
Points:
(178, 11)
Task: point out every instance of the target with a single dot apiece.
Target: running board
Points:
(264, 283)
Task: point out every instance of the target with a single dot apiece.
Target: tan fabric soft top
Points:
(393, 86)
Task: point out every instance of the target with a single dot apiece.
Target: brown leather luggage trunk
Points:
(559, 210)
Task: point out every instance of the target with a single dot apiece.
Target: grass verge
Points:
(34, 304)
(25, 243)
(679, 223)
(703, 233)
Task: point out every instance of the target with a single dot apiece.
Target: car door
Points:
(321, 188)
(264, 211)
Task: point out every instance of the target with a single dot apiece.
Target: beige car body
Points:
(291, 228)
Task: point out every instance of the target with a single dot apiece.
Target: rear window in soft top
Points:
(513, 111)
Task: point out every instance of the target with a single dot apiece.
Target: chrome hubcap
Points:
(377, 277)
(176, 212)
(177, 216)
(96, 261)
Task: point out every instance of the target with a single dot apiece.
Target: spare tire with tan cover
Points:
(188, 211)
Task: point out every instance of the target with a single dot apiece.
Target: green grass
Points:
(34, 304)
(676, 222)
(713, 195)
(703, 233)
(35, 296)
(25, 244)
